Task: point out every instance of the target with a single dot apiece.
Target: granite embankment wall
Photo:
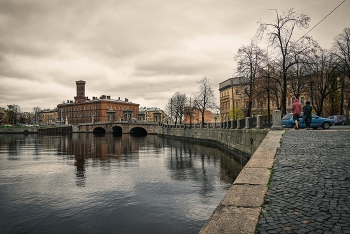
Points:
(238, 140)
(238, 212)
(13, 130)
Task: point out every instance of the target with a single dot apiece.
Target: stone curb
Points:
(238, 211)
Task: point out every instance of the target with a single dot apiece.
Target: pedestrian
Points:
(307, 109)
(296, 108)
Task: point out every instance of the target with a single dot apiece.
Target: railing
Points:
(254, 122)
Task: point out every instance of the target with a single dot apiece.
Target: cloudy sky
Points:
(143, 50)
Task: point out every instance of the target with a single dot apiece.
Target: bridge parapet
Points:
(125, 127)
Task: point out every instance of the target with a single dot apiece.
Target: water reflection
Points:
(100, 184)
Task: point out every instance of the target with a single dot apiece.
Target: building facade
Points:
(234, 103)
(151, 114)
(194, 116)
(48, 117)
(103, 109)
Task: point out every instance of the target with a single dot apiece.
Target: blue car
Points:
(317, 122)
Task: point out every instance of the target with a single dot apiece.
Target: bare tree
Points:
(36, 111)
(189, 110)
(322, 80)
(250, 60)
(341, 51)
(205, 99)
(280, 37)
(12, 113)
(270, 86)
(298, 80)
(176, 107)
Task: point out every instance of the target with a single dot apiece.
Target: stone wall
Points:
(243, 140)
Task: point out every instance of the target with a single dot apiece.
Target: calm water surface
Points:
(84, 183)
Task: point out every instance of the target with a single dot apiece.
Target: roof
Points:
(235, 81)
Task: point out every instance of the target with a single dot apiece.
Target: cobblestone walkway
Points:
(309, 191)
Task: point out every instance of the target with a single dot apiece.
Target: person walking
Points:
(307, 109)
(296, 108)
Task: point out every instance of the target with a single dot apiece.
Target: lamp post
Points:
(242, 103)
(215, 118)
(191, 107)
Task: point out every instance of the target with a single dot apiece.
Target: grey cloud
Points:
(143, 50)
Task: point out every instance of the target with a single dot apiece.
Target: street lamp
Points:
(215, 118)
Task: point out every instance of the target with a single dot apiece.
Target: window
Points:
(302, 101)
(261, 103)
(237, 104)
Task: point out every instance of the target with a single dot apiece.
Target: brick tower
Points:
(80, 98)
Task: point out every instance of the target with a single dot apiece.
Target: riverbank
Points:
(239, 210)
(18, 130)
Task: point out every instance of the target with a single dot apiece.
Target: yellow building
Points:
(48, 117)
(151, 114)
(234, 103)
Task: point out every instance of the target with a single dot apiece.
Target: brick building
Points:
(194, 116)
(103, 109)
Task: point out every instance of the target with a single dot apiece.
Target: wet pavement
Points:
(309, 189)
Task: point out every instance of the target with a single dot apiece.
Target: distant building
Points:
(194, 116)
(2, 115)
(48, 117)
(151, 114)
(103, 109)
(234, 102)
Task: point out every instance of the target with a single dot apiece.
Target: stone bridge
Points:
(119, 128)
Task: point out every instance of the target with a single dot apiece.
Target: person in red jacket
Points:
(296, 108)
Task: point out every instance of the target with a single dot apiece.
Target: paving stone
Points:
(311, 175)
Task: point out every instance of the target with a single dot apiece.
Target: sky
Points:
(142, 50)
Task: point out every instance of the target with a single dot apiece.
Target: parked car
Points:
(339, 119)
(317, 122)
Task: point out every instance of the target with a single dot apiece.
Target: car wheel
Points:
(325, 125)
(343, 123)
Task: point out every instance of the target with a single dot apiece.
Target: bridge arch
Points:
(99, 130)
(138, 131)
(117, 131)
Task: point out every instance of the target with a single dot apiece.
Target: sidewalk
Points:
(309, 189)
(239, 210)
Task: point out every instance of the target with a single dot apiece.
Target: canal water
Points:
(85, 183)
